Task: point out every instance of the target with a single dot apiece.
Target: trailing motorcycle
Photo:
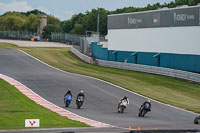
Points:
(79, 102)
(143, 110)
(197, 120)
(122, 106)
(67, 100)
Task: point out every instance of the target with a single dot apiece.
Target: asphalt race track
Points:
(101, 98)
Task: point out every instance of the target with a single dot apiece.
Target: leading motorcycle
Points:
(67, 100)
(143, 110)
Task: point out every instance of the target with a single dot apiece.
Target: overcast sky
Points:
(64, 9)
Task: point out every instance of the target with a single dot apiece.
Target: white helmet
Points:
(81, 91)
(149, 100)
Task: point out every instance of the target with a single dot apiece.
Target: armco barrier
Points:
(195, 77)
(152, 69)
(82, 56)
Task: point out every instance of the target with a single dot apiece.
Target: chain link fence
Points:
(17, 35)
(81, 43)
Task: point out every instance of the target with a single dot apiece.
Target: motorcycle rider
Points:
(81, 94)
(80, 99)
(147, 102)
(197, 120)
(124, 98)
(68, 93)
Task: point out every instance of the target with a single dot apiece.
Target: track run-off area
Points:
(101, 97)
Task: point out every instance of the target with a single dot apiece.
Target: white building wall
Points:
(181, 40)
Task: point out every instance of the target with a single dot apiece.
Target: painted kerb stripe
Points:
(39, 100)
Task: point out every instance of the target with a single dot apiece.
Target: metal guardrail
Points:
(82, 56)
(190, 76)
(153, 70)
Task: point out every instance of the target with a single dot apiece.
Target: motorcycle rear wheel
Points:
(196, 120)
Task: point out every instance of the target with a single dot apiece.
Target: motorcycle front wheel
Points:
(67, 104)
(142, 112)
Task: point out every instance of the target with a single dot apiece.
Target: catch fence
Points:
(81, 43)
(17, 35)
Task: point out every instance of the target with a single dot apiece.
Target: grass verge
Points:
(180, 93)
(16, 107)
(8, 46)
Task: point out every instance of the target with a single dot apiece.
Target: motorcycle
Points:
(122, 106)
(143, 110)
(68, 100)
(79, 102)
(197, 120)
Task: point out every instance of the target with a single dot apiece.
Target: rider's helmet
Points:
(69, 90)
(149, 101)
(81, 91)
(125, 97)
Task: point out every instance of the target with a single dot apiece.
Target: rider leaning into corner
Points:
(124, 98)
(147, 102)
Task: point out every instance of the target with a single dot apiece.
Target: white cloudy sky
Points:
(64, 9)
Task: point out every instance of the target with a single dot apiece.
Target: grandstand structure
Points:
(165, 38)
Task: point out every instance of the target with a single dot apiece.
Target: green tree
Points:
(1, 23)
(171, 5)
(33, 23)
(181, 2)
(91, 20)
(12, 22)
(77, 21)
(53, 24)
(50, 28)
(78, 29)
(53, 20)
(35, 12)
(103, 21)
(67, 26)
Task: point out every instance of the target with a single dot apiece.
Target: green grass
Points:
(180, 93)
(16, 107)
(8, 45)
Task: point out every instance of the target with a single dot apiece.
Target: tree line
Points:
(79, 23)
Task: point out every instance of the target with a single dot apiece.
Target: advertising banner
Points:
(189, 16)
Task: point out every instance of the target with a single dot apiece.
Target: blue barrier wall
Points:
(146, 58)
(111, 55)
(181, 61)
(99, 52)
(125, 55)
(174, 61)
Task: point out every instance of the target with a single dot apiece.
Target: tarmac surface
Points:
(69, 130)
(101, 98)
